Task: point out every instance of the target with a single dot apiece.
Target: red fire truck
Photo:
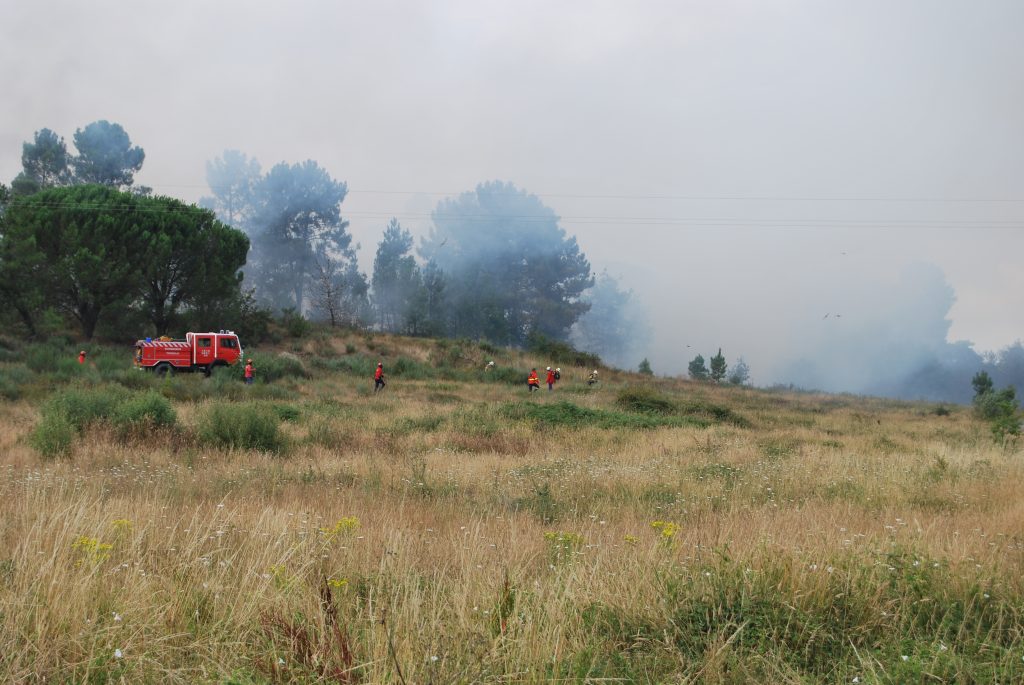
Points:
(196, 352)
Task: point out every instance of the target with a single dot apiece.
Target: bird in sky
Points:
(825, 317)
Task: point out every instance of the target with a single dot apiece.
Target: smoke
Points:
(896, 330)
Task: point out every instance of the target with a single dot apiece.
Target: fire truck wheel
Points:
(164, 368)
(208, 370)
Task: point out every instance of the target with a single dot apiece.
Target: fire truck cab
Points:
(196, 352)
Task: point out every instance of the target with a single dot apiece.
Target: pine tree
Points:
(645, 367)
(718, 367)
(698, 371)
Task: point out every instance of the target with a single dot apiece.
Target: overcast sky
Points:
(745, 167)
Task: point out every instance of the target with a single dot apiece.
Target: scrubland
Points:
(455, 529)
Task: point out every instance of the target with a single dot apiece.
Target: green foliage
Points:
(560, 352)
(288, 413)
(83, 407)
(697, 369)
(270, 368)
(247, 426)
(45, 164)
(982, 384)
(146, 410)
(505, 374)
(189, 260)
(396, 278)
(1000, 408)
(645, 367)
(718, 367)
(13, 379)
(406, 367)
(294, 322)
(106, 155)
(79, 245)
(70, 412)
(569, 415)
(54, 435)
(714, 413)
(293, 213)
(645, 400)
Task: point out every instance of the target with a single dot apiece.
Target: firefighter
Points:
(558, 374)
(593, 377)
(81, 357)
(551, 379)
(250, 371)
(532, 381)
(378, 377)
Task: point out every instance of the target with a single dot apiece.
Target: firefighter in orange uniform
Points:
(250, 372)
(551, 379)
(378, 377)
(532, 381)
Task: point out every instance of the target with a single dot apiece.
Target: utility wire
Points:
(686, 198)
(596, 219)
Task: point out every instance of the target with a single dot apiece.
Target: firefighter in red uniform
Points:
(250, 372)
(532, 381)
(378, 377)
(81, 357)
(551, 379)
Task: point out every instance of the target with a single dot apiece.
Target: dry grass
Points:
(827, 540)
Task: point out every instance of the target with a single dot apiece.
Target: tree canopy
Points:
(512, 270)
(91, 249)
(188, 256)
(106, 155)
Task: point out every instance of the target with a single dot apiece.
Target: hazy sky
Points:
(720, 157)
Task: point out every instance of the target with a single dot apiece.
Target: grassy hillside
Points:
(456, 529)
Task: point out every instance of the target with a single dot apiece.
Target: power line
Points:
(598, 219)
(686, 198)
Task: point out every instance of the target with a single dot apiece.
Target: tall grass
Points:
(665, 535)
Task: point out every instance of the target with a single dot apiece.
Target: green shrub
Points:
(82, 407)
(67, 369)
(248, 426)
(53, 436)
(273, 368)
(187, 387)
(645, 400)
(294, 323)
(358, 365)
(287, 412)
(410, 368)
(13, 378)
(109, 362)
(567, 414)
(714, 412)
(44, 358)
(560, 352)
(505, 374)
(131, 378)
(149, 409)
